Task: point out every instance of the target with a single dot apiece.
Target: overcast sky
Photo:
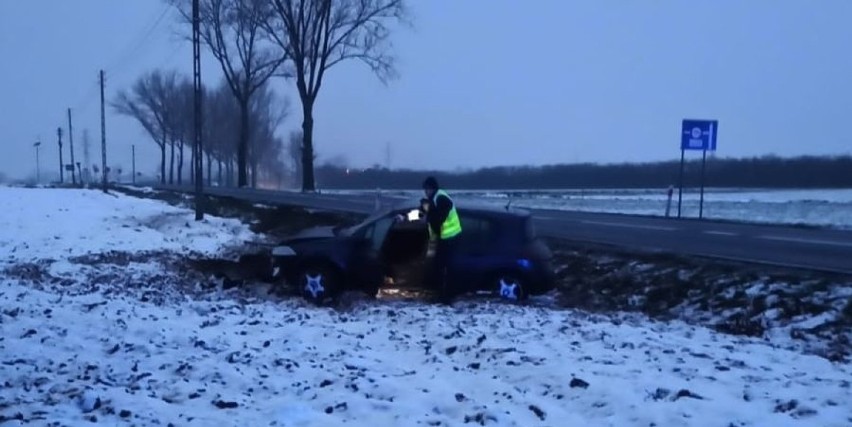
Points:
(483, 82)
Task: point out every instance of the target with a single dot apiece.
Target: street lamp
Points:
(38, 172)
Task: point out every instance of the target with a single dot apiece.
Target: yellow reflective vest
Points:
(452, 225)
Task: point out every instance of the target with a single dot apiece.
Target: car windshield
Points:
(349, 231)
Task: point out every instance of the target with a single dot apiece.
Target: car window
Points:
(365, 232)
(361, 229)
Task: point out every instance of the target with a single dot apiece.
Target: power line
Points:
(122, 60)
(129, 54)
(87, 98)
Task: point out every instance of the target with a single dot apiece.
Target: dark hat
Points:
(430, 183)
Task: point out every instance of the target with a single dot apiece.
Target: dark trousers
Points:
(442, 265)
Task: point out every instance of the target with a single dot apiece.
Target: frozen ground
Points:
(126, 336)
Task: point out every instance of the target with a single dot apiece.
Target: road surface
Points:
(816, 249)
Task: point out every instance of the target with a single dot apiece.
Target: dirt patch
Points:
(735, 299)
(33, 271)
(119, 258)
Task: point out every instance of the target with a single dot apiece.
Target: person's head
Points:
(430, 187)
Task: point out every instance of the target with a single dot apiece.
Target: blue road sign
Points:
(699, 134)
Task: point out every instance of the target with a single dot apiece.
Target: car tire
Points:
(509, 287)
(319, 283)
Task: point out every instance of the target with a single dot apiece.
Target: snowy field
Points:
(829, 208)
(99, 323)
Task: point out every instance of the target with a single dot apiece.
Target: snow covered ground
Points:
(122, 335)
(62, 223)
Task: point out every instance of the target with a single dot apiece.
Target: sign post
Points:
(696, 135)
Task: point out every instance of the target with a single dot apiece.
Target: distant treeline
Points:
(759, 172)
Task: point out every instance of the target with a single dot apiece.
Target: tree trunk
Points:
(242, 148)
(163, 163)
(180, 164)
(219, 180)
(172, 166)
(209, 170)
(229, 173)
(308, 184)
(254, 173)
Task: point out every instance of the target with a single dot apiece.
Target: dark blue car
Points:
(499, 252)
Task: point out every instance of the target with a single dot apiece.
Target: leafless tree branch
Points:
(319, 34)
(232, 30)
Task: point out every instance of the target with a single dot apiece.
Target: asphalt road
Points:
(797, 247)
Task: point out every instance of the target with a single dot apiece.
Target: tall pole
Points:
(103, 136)
(71, 143)
(680, 184)
(38, 168)
(61, 166)
(86, 177)
(133, 148)
(196, 72)
(701, 203)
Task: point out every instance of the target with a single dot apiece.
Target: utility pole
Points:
(71, 143)
(38, 169)
(133, 148)
(103, 135)
(196, 77)
(87, 159)
(61, 166)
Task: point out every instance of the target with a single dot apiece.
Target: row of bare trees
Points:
(162, 103)
(256, 40)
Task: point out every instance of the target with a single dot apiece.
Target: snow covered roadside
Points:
(221, 362)
(42, 224)
(94, 329)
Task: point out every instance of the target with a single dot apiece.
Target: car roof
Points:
(467, 207)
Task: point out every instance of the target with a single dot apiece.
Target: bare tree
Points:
(233, 30)
(318, 34)
(274, 164)
(294, 153)
(181, 110)
(267, 113)
(148, 103)
(223, 130)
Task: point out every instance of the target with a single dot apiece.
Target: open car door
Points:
(368, 266)
(404, 250)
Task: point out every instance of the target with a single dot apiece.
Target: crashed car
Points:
(498, 252)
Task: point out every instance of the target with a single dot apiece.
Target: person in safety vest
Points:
(444, 229)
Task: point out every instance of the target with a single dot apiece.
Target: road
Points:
(797, 247)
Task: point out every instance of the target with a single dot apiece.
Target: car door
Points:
(367, 265)
(473, 257)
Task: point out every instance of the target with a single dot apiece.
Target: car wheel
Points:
(318, 283)
(510, 287)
